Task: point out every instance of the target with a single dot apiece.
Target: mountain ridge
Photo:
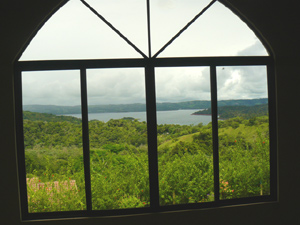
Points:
(140, 107)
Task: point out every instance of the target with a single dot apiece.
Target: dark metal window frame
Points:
(149, 63)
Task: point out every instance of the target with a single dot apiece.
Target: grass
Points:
(172, 143)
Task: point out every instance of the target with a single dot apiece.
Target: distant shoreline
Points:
(196, 114)
(138, 107)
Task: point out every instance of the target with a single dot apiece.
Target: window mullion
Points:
(214, 110)
(152, 137)
(149, 28)
(85, 140)
(20, 142)
(272, 129)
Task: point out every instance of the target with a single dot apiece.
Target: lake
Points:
(181, 117)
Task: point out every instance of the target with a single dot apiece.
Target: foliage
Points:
(47, 117)
(232, 111)
(119, 163)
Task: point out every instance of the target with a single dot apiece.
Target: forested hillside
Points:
(246, 112)
(53, 109)
(47, 117)
(119, 162)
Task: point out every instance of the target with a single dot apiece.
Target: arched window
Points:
(132, 106)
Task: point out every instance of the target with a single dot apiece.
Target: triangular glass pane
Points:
(168, 17)
(128, 16)
(218, 32)
(74, 32)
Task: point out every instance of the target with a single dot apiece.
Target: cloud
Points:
(105, 86)
(166, 4)
(242, 82)
(169, 17)
(182, 84)
(116, 86)
(75, 32)
(127, 85)
(51, 88)
(257, 49)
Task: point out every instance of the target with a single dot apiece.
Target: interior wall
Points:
(278, 24)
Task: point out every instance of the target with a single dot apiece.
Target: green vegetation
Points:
(119, 162)
(246, 112)
(165, 106)
(47, 117)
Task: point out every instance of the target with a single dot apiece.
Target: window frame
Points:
(149, 64)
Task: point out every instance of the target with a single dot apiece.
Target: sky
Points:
(74, 32)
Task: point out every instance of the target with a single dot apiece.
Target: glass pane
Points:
(128, 16)
(75, 32)
(218, 32)
(185, 156)
(53, 143)
(243, 131)
(118, 138)
(169, 17)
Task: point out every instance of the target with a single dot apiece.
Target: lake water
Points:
(181, 117)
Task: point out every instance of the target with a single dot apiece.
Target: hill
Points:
(247, 112)
(47, 117)
(137, 107)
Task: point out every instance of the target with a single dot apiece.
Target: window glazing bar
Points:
(85, 140)
(78, 64)
(207, 61)
(215, 135)
(149, 28)
(152, 137)
(272, 129)
(20, 142)
(157, 62)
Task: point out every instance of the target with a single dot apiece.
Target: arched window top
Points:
(100, 29)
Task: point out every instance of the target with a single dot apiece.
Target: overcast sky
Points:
(74, 32)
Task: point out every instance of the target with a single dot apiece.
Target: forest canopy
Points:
(246, 112)
(119, 162)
